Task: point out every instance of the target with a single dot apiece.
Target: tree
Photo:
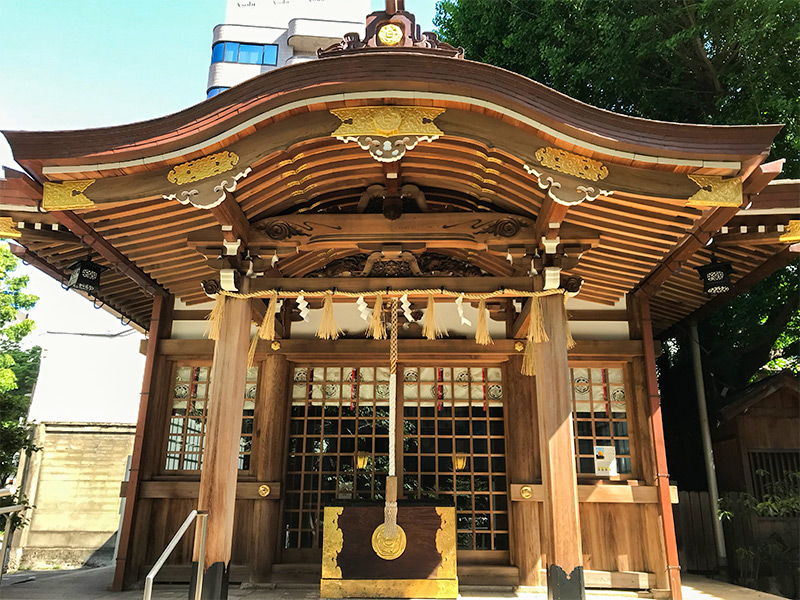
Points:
(701, 61)
(18, 368)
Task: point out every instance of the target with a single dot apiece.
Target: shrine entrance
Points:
(450, 441)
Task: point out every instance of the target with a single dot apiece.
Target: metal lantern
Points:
(716, 276)
(85, 275)
(361, 460)
(460, 462)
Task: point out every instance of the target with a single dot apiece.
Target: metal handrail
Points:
(202, 515)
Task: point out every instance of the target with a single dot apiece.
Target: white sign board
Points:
(605, 460)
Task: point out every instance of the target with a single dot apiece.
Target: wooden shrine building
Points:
(393, 187)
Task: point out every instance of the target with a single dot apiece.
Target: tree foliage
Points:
(703, 61)
(18, 367)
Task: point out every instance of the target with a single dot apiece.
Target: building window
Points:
(251, 54)
(773, 470)
(215, 90)
(600, 417)
(187, 424)
(454, 448)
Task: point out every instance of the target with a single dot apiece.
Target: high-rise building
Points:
(261, 35)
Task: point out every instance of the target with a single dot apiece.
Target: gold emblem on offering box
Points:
(390, 34)
(388, 548)
(571, 164)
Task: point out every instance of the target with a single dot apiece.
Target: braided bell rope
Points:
(390, 507)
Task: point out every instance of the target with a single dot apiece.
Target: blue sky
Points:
(74, 64)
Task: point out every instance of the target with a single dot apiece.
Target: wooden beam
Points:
(667, 520)
(100, 245)
(565, 579)
(373, 284)
(549, 220)
(523, 457)
(687, 247)
(603, 494)
(233, 220)
(269, 456)
(221, 457)
(312, 349)
(160, 326)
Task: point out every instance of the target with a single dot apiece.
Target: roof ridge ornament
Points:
(387, 132)
(391, 29)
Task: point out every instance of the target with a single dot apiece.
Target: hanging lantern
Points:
(85, 275)
(361, 460)
(460, 462)
(716, 276)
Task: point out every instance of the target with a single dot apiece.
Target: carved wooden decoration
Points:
(387, 132)
(716, 191)
(210, 192)
(66, 196)
(566, 189)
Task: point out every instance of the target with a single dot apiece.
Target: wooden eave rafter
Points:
(513, 96)
(493, 123)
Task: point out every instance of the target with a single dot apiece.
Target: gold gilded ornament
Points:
(519, 346)
(388, 548)
(792, 233)
(332, 543)
(68, 195)
(263, 490)
(526, 492)
(571, 164)
(7, 228)
(446, 542)
(390, 34)
(203, 168)
(390, 588)
(387, 121)
(276, 345)
(716, 191)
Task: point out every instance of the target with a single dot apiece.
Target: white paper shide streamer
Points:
(460, 307)
(363, 309)
(302, 306)
(405, 304)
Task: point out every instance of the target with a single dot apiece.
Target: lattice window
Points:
(187, 423)
(454, 448)
(338, 413)
(600, 417)
(770, 470)
(341, 413)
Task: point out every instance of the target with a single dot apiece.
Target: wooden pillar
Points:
(522, 455)
(565, 579)
(642, 326)
(269, 455)
(221, 452)
(160, 328)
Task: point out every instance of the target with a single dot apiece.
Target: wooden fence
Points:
(694, 529)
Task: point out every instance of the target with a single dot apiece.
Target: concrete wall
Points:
(73, 483)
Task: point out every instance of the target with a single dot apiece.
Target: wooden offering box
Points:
(425, 569)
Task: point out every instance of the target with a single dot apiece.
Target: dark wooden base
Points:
(561, 586)
(215, 582)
